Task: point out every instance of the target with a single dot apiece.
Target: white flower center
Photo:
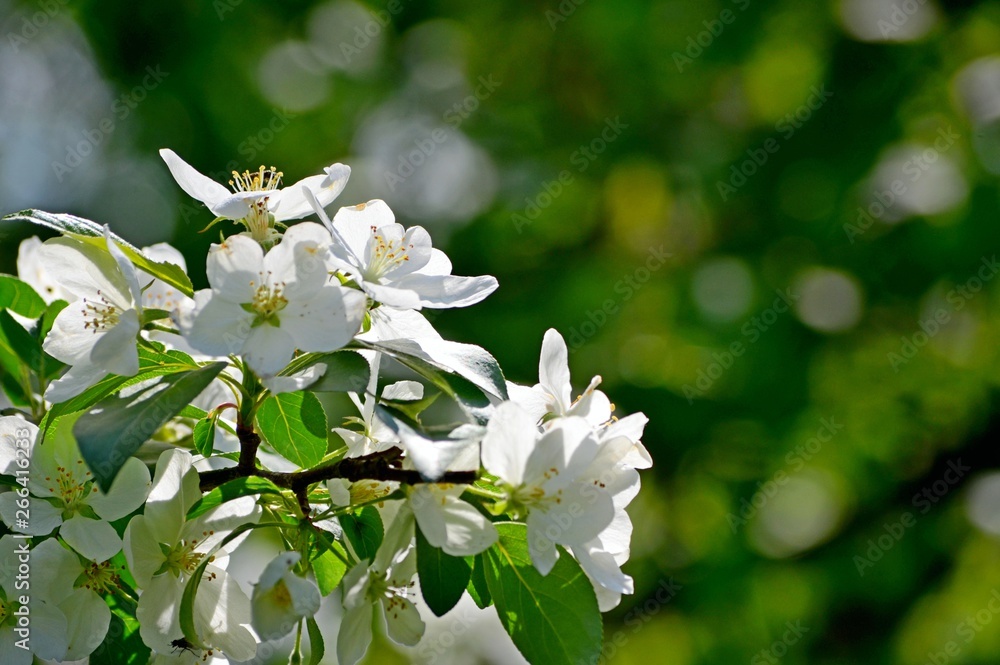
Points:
(268, 301)
(102, 578)
(385, 254)
(183, 559)
(382, 589)
(530, 496)
(71, 486)
(100, 315)
(259, 221)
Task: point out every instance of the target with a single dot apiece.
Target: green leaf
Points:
(234, 489)
(114, 429)
(553, 620)
(364, 530)
(20, 298)
(346, 371)
(90, 232)
(151, 365)
(478, 588)
(469, 361)
(203, 436)
(443, 577)
(317, 649)
(24, 344)
(49, 317)
(295, 426)
(471, 398)
(411, 408)
(330, 567)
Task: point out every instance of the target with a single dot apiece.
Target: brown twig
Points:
(383, 466)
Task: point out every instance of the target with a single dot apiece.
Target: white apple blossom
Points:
(96, 334)
(258, 201)
(157, 294)
(545, 477)
(33, 271)
(163, 548)
(387, 583)
(67, 622)
(449, 522)
(552, 396)
(281, 598)
(64, 495)
(266, 307)
(396, 266)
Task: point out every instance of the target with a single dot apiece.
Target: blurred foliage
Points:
(603, 134)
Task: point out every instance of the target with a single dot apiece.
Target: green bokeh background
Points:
(572, 254)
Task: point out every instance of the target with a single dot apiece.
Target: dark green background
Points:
(562, 78)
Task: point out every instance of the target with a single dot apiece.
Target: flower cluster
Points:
(155, 426)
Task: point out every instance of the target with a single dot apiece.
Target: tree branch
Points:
(385, 466)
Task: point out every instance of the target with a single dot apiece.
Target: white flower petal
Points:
(217, 198)
(234, 268)
(76, 380)
(88, 618)
(222, 613)
(402, 621)
(393, 296)
(215, 326)
(291, 203)
(86, 271)
(327, 321)
(509, 441)
(16, 434)
(94, 539)
(354, 223)
(295, 382)
(355, 634)
(268, 349)
(544, 553)
(115, 350)
(142, 551)
(44, 516)
(175, 489)
(553, 368)
(128, 491)
(124, 265)
(450, 523)
(61, 567)
(158, 612)
(444, 291)
(10, 653)
(49, 627)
